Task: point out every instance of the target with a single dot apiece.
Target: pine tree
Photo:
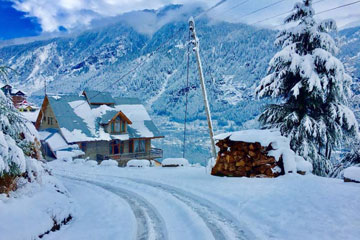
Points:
(17, 145)
(311, 87)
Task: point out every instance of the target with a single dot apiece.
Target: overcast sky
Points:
(49, 16)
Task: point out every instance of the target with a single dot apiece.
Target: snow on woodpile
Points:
(138, 163)
(257, 153)
(352, 174)
(175, 162)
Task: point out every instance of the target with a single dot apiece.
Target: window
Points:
(139, 145)
(116, 147)
(82, 146)
(49, 120)
(117, 124)
(123, 126)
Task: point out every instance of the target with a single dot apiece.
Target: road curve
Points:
(219, 221)
(150, 225)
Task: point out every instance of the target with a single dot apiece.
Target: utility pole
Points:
(195, 42)
(45, 85)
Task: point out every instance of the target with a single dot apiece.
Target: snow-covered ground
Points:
(186, 203)
(31, 210)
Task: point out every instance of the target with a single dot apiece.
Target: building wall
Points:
(48, 113)
(93, 149)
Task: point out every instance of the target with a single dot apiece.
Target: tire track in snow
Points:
(149, 223)
(220, 222)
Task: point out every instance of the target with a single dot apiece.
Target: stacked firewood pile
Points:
(242, 159)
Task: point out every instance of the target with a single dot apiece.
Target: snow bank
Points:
(138, 163)
(109, 163)
(175, 162)
(280, 147)
(31, 210)
(67, 156)
(352, 173)
(79, 161)
(91, 163)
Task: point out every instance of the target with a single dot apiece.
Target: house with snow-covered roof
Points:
(18, 97)
(101, 126)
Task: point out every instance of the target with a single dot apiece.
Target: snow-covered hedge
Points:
(280, 147)
(175, 162)
(138, 163)
(91, 163)
(352, 173)
(109, 163)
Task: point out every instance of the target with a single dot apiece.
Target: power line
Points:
(341, 6)
(281, 14)
(233, 7)
(211, 8)
(263, 8)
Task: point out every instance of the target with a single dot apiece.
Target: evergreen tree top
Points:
(307, 30)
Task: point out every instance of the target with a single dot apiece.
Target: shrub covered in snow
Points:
(352, 174)
(18, 147)
(175, 162)
(109, 163)
(351, 159)
(138, 163)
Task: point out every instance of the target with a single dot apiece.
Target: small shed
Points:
(257, 153)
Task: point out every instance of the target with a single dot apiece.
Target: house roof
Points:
(79, 121)
(96, 97)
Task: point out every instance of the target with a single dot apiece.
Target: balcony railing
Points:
(152, 154)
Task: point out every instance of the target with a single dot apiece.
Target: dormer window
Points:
(118, 125)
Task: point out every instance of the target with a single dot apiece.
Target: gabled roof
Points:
(96, 97)
(79, 121)
(111, 115)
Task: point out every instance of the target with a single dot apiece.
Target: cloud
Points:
(70, 14)
(74, 14)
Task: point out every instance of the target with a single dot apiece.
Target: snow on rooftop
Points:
(56, 142)
(352, 173)
(280, 145)
(31, 116)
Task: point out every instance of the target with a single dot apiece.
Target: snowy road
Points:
(186, 215)
(186, 203)
(149, 223)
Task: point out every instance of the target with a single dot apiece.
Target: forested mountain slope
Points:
(235, 58)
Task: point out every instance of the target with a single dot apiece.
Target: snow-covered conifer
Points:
(312, 87)
(17, 146)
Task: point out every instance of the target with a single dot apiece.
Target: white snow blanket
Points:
(280, 145)
(180, 162)
(138, 163)
(352, 173)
